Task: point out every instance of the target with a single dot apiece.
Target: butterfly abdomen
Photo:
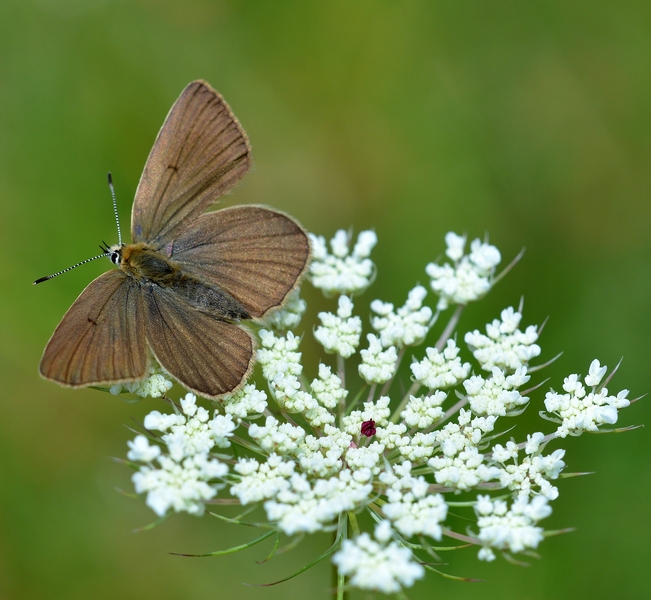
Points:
(209, 299)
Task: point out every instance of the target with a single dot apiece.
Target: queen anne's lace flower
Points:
(154, 385)
(378, 365)
(408, 325)
(498, 394)
(378, 565)
(471, 276)
(141, 450)
(314, 449)
(260, 481)
(290, 315)
(342, 272)
(513, 529)
(411, 508)
(179, 486)
(340, 333)
(440, 370)
(278, 355)
(327, 388)
(504, 346)
(580, 410)
(423, 412)
(194, 432)
(247, 402)
(309, 505)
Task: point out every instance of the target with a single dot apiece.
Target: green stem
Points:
(338, 580)
(449, 328)
(341, 372)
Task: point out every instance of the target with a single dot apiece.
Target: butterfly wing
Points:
(255, 254)
(200, 153)
(207, 355)
(101, 339)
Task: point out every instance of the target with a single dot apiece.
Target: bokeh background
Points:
(530, 122)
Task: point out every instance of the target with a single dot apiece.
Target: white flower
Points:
(463, 470)
(412, 509)
(484, 256)
(408, 325)
(376, 411)
(341, 273)
(281, 438)
(290, 315)
(308, 505)
(162, 422)
(455, 245)
(461, 465)
(154, 385)
(322, 456)
(378, 565)
(247, 402)
(530, 475)
(193, 432)
(180, 486)
(390, 450)
(423, 412)
(581, 411)
(419, 447)
(260, 481)
(471, 276)
(504, 346)
(279, 354)
(339, 333)
(533, 442)
(440, 370)
(595, 374)
(378, 365)
(140, 450)
(327, 389)
(511, 529)
(497, 395)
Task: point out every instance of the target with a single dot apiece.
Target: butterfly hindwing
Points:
(207, 355)
(255, 254)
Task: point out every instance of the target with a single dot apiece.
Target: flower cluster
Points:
(315, 446)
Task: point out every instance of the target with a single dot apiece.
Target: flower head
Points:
(378, 564)
(343, 272)
(469, 277)
(313, 445)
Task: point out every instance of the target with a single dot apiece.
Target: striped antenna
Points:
(105, 248)
(83, 262)
(115, 208)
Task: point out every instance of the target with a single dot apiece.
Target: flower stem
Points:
(338, 579)
(449, 328)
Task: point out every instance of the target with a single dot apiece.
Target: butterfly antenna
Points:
(115, 208)
(83, 262)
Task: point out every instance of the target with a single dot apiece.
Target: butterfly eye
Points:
(113, 252)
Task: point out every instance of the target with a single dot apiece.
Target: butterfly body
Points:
(189, 277)
(152, 270)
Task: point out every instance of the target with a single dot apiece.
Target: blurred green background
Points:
(527, 121)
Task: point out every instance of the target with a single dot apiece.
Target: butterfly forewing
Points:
(255, 254)
(101, 338)
(200, 153)
(209, 356)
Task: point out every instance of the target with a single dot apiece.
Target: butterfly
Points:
(190, 277)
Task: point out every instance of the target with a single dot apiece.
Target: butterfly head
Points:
(114, 252)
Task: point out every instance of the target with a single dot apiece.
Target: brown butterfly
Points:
(188, 278)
